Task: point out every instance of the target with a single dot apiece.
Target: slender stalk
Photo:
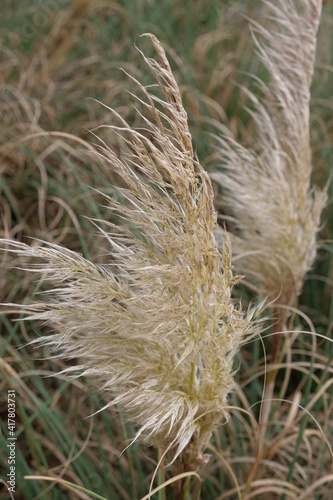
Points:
(277, 328)
(186, 487)
(161, 475)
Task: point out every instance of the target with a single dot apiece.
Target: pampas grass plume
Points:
(268, 188)
(156, 329)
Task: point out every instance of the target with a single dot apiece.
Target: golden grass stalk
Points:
(156, 328)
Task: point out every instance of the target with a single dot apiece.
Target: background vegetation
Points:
(56, 57)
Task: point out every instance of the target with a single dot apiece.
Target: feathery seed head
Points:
(268, 189)
(157, 329)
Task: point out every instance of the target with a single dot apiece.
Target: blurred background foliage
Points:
(56, 59)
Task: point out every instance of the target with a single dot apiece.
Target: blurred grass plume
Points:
(268, 188)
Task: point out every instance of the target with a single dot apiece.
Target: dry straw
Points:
(156, 329)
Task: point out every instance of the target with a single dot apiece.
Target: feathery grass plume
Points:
(156, 328)
(268, 189)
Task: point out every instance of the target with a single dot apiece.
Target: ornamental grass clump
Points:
(156, 328)
(268, 187)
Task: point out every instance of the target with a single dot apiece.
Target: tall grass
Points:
(45, 194)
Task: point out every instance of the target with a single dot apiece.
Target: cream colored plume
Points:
(156, 329)
(268, 187)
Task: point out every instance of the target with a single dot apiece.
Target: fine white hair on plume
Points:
(157, 330)
(268, 187)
